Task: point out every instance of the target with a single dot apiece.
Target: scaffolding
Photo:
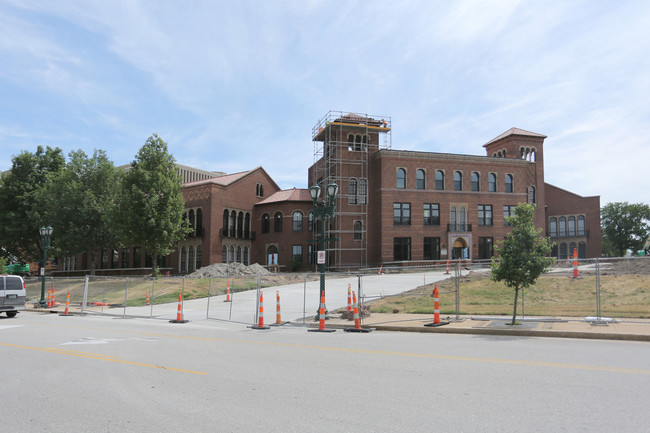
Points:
(343, 144)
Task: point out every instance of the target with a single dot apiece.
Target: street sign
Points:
(321, 258)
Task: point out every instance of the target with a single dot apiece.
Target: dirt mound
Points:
(223, 270)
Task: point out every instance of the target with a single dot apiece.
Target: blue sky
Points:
(239, 84)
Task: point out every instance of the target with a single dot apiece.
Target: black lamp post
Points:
(46, 233)
(323, 209)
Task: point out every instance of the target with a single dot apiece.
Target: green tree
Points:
(3, 265)
(151, 206)
(21, 212)
(624, 226)
(523, 255)
(78, 203)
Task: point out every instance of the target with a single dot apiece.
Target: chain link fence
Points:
(586, 288)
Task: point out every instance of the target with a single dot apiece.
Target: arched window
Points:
(183, 259)
(531, 195)
(240, 224)
(190, 259)
(552, 228)
(440, 180)
(199, 222)
(226, 217)
(357, 230)
(247, 226)
(462, 220)
(572, 226)
(581, 225)
(401, 178)
(582, 250)
(350, 141)
(231, 256)
(452, 219)
(420, 179)
(198, 257)
(277, 222)
(562, 227)
(509, 187)
(352, 191)
(475, 182)
(363, 191)
(572, 247)
(492, 182)
(224, 254)
(239, 254)
(233, 223)
(266, 223)
(310, 222)
(191, 223)
(246, 256)
(458, 181)
(563, 253)
(297, 221)
(554, 250)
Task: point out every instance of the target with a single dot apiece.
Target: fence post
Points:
(84, 302)
(599, 320)
(153, 289)
(304, 298)
(126, 294)
(232, 299)
(458, 291)
(207, 310)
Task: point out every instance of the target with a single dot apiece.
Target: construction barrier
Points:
(278, 315)
(260, 317)
(575, 263)
(357, 320)
(227, 292)
(349, 298)
(67, 305)
(436, 310)
(147, 299)
(447, 271)
(321, 322)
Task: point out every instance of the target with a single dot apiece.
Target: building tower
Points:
(343, 143)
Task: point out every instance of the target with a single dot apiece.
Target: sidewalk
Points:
(608, 329)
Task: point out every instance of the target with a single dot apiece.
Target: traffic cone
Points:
(447, 272)
(357, 321)
(260, 317)
(278, 317)
(67, 305)
(53, 297)
(575, 263)
(179, 312)
(436, 310)
(321, 322)
(349, 298)
(227, 292)
(147, 299)
(49, 297)
(380, 270)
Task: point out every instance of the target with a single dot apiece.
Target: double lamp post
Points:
(323, 209)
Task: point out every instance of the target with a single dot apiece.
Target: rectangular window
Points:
(431, 249)
(297, 253)
(507, 212)
(137, 260)
(125, 257)
(401, 214)
(431, 214)
(485, 247)
(401, 249)
(485, 215)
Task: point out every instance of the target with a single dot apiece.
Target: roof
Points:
(514, 131)
(229, 179)
(294, 194)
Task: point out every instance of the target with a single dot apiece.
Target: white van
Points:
(12, 294)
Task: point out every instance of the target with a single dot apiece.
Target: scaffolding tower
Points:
(343, 144)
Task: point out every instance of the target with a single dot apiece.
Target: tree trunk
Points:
(514, 312)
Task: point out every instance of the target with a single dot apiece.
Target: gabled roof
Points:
(294, 194)
(514, 131)
(229, 179)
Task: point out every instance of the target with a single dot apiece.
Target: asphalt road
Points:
(103, 374)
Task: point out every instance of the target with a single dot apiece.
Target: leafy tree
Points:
(523, 255)
(78, 204)
(150, 208)
(3, 265)
(21, 213)
(625, 226)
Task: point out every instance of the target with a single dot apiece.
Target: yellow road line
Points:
(101, 358)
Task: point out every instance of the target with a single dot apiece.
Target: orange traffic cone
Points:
(380, 270)
(147, 299)
(227, 292)
(179, 312)
(49, 297)
(67, 305)
(447, 272)
(349, 298)
(436, 310)
(321, 322)
(278, 317)
(357, 320)
(575, 263)
(260, 317)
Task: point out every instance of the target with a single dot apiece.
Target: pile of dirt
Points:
(633, 266)
(223, 270)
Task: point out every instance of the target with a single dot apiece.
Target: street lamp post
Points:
(46, 233)
(323, 209)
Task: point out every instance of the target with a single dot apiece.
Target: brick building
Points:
(392, 206)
